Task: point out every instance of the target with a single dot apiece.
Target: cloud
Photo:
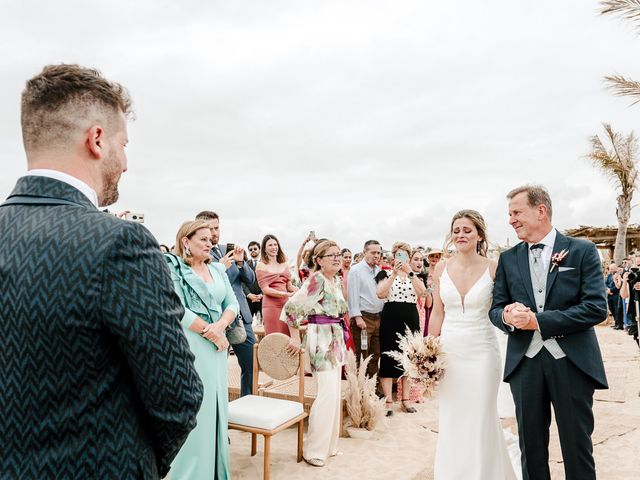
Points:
(357, 119)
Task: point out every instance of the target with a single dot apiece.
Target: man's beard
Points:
(111, 173)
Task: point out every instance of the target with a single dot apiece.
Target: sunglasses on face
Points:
(253, 249)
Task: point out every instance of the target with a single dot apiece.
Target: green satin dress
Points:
(205, 455)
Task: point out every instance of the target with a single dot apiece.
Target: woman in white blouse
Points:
(400, 291)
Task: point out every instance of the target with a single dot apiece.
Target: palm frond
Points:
(623, 87)
(626, 9)
(617, 162)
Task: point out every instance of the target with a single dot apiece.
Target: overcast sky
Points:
(358, 119)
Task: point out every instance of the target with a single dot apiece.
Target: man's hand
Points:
(253, 297)
(226, 260)
(360, 323)
(238, 254)
(533, 322)
(509, 312)
(521, 317)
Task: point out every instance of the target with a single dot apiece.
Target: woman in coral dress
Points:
(274, 279)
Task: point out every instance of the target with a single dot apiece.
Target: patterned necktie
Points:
(538, 264)
(217, 253)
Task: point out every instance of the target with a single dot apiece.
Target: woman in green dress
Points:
(210, 306)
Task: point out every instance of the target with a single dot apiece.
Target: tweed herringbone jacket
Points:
(96, 377)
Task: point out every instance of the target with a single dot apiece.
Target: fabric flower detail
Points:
(557, 258)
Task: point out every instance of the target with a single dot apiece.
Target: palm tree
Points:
(629, 10)
(617, 161)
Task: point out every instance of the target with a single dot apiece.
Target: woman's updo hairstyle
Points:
(481, 227)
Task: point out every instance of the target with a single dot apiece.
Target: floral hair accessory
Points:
(557, 258)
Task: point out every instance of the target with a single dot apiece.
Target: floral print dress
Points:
(324, 344)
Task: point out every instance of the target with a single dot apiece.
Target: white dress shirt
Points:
(88, 192)
(548, 241)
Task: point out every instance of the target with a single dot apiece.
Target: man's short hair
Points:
(207, 215)
(368, 243)
(252, 243)
(536, 195)
(61, 99)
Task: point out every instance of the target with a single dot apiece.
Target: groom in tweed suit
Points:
(96, 377)
(548, 295)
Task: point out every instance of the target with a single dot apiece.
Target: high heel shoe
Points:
(404, 408)
(389, 411)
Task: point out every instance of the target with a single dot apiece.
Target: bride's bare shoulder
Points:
(493, 266)
(439, 268)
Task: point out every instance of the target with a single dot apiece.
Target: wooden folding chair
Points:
(266, 416)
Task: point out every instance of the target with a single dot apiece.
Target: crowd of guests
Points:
(147, 395)
(347, 301)
(352, 302)
(623, 293)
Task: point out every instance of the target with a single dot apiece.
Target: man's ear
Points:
(542, 211)
(95, 141)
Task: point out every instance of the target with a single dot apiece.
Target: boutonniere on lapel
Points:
(557, 258)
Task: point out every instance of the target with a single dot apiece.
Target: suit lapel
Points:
(214, 253)
(560, 244)
(523, 268)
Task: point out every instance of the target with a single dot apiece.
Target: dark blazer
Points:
(255, 286)
(96, 377)
(611, 285)
(238, 277)
(575, 302)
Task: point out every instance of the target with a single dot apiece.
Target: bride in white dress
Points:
(471, 443)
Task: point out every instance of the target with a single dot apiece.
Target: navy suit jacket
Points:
(96, 376)
(575, 302)
(611, 285)
(238, 277)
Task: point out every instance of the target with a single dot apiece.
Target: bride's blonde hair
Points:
(481, 227)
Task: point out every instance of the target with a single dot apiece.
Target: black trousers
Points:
(537, 384)
(254, 307)
(616, 309)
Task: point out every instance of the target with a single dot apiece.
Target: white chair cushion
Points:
(262, 412)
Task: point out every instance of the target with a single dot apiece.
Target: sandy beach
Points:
(403, 447)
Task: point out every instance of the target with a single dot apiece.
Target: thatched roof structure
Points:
(605, 237)
(601, 234)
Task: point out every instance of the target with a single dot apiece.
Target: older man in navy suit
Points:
(548, 295)
(239, 273)
(96, 376)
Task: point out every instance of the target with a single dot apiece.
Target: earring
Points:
(187, 251)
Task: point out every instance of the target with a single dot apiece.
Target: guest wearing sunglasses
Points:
(253, 291)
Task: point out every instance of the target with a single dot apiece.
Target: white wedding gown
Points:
(471, 443)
